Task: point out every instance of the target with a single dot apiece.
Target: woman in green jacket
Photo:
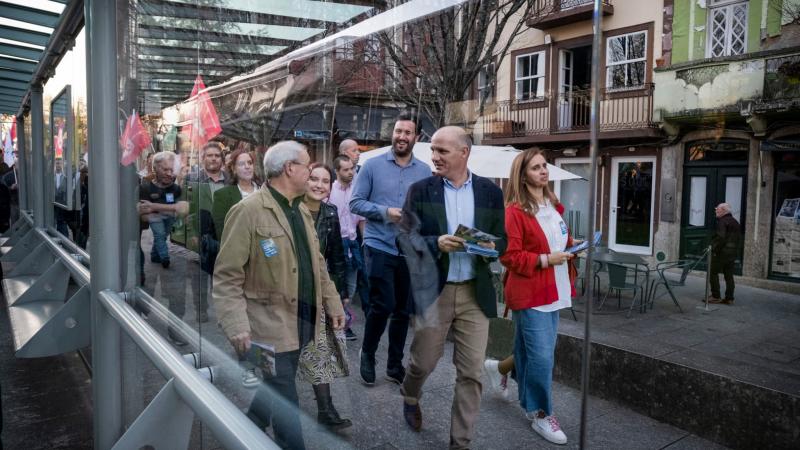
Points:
(241, 168)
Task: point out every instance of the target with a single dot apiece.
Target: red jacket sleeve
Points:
(516, 259)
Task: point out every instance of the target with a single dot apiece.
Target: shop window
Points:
(785, 260)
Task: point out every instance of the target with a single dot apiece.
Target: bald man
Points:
(466, 298)
(349, 148)
(724, 249)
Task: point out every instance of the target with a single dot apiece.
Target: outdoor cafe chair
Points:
(618, 281)
(684, 265)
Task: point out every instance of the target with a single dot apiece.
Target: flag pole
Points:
(594, 151)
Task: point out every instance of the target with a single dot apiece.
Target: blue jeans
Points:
(161, 231)
(356, 273)
(534, 356)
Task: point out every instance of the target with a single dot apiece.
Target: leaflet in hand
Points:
(474, 235)
(262, 356)
(475, 249)
(585, 244)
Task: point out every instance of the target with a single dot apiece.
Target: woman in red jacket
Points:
(538, 285)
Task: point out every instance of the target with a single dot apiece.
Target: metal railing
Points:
(620, 109)
(227, 423)
(187, 392)
(548, 7)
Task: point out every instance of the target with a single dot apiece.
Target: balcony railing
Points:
(570, 112)
(555, 13)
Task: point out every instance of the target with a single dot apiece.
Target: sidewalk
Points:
(756, 340)
(378, 421)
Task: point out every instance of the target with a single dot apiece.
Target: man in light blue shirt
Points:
(379, 193)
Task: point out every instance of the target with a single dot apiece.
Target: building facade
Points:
(726, 99)
(543, 100)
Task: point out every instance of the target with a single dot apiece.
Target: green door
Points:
(703, 189)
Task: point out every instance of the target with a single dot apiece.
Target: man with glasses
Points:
(271, 284)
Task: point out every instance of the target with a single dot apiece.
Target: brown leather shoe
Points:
(727, 301)
(714, 300)
(413, 416)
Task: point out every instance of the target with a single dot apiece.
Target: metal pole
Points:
(22, 166)
(37, 154)
(594, 151)
(101, 70)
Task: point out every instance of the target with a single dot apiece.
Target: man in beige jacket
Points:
(269, 281)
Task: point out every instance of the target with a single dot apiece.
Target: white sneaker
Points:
(250, 379)
(547, 427)
(498, 382)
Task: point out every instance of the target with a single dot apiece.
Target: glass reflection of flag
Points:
(59, 144)
(134, 139)
(204, 123)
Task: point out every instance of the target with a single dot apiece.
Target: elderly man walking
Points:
(271, 284)
(466, 299)
(724, 248)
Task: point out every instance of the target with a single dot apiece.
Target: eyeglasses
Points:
(306, 165)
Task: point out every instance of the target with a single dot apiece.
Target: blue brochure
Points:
(585, 244)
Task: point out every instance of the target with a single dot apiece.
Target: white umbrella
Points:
(484, 160)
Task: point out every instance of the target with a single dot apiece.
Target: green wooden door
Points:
(703, 189)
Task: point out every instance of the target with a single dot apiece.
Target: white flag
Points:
(8, 151)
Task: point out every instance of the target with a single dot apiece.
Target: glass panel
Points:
(61, 137)
(617, 76)
(733, 196)
(697, 201)
(636, 74)
(576, 202)
(634, 198)
(717, 151)
(616, 49)
(636, 46)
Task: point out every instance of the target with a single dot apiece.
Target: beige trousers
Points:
(456, 305)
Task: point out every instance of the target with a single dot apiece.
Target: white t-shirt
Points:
(245, 193)
(555, 230)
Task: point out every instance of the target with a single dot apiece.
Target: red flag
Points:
(14, 130)
(204, 123)
(134, 139)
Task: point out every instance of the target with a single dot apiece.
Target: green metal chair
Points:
(684, 265)
(618, 281)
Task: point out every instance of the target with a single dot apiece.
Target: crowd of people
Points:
(284, 257)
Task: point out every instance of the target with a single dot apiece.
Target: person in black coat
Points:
(724, 249)
(326, 223)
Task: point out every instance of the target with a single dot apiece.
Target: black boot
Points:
(327, 415)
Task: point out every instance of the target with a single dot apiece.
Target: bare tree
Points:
(433, 63)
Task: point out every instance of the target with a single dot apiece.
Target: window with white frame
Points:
(345, 50)
(529, 76)
(727, 28)
(486, 83)
(626, 60)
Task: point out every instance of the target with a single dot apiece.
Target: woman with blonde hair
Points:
(537, 285)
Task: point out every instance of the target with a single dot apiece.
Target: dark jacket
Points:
(425, 201)
(725, 242)
(330, 245)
